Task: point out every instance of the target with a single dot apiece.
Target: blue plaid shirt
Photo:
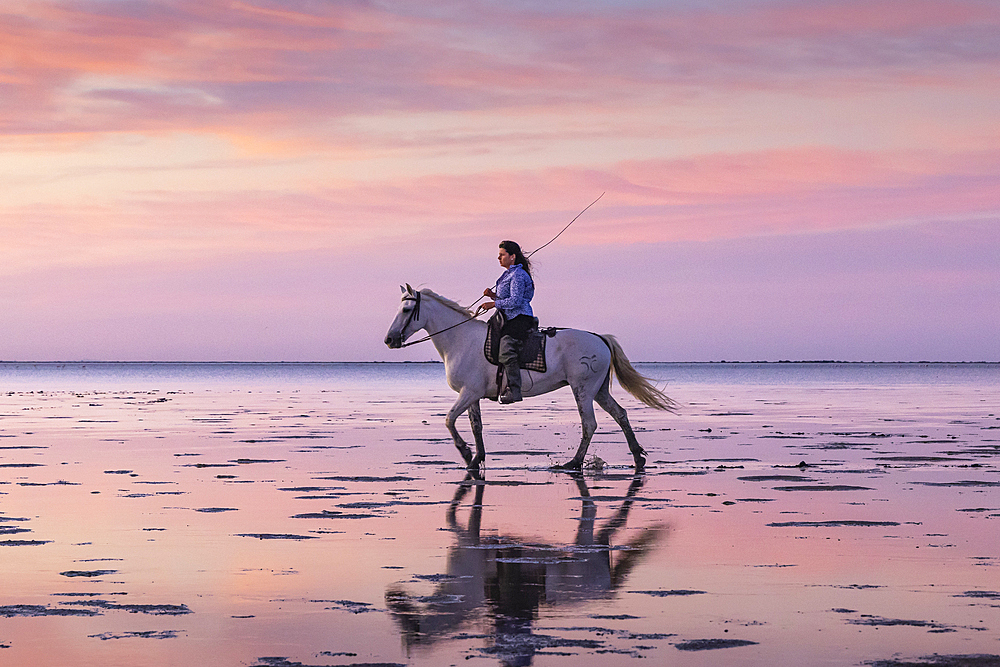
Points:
(514, 290)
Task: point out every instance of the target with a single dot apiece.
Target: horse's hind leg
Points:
(618, 413)
(585, 404)
(476, 419)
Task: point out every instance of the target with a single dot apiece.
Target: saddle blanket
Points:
(532, 356)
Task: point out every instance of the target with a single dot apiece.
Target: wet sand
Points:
(329, 525)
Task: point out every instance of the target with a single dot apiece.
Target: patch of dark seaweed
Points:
(963, 483)
(614, 617)
(21, 465)
(988, 595)
(823, 487)
(23, 543)
(670, 593)
(59, 483)
(13, 530)
(333, 514)
(978, 509)
(315, 489)
(880, 621)
(646, 636)
(277, 536)
(437, 577)
(141, 634)
(517, 645)
(366, 478)
(521, 452)
(348, 605)
(972, 660)
(209, 465)
(284, 662)
(617, 499)
(244, 462)
(391, 503)
(34, 610)
(917, 459)
(831, 524)
(775, 478)
(88, 573)
(214, 510)
(755, 500)
(712, 644)
(150, 495)
(152, 609)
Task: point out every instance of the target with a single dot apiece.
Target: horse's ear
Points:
(402, 289)
(409, 290)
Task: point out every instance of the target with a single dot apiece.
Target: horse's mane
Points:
(447, 302)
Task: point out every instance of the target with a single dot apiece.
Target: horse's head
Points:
(407, 320)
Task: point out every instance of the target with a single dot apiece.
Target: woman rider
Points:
(512, 296)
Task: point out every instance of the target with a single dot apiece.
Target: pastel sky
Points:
(253, 179)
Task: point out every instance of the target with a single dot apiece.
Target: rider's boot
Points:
(510, 347)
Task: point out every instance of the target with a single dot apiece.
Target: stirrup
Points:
(509, 397)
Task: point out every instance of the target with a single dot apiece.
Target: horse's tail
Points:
(634, 382)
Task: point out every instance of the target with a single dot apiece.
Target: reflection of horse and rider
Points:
(510, 579)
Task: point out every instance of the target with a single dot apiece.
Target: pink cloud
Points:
(713, 197)
(276, 63)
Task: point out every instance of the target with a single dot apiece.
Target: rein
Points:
(415, 313)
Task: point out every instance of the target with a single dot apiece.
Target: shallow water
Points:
(316, 514)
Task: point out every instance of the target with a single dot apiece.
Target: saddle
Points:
(532, 355)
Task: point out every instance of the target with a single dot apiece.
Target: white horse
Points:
(582, 360)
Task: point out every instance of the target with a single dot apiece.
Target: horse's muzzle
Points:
(394, 342)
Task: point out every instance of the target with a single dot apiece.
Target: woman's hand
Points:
(490, 293)
(483, 307)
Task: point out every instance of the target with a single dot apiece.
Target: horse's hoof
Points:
(573, 466)
(476, 463)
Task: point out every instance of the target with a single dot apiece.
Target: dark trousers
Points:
(519, 327)
(512, 335)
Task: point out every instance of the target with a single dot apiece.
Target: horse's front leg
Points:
(476, 419)
(465, 400)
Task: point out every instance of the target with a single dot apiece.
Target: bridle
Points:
(414, 314)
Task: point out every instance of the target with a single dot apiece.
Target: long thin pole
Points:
(554, 237)
(566, 227)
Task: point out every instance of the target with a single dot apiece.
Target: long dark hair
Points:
(519, 258)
